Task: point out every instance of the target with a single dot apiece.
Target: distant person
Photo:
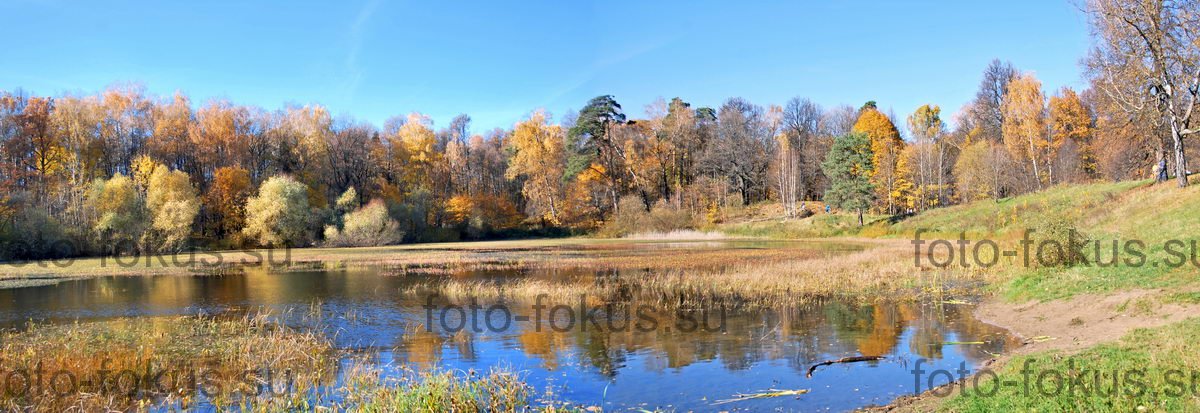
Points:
(802, 206)
(826, 208)
(1162, 170)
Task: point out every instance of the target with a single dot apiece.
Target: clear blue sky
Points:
(497, 61)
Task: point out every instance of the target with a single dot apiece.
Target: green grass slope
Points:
(1161, 221)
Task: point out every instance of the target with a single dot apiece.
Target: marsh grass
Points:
(780, 277)
(115, 365)
(219, 363)
(498, 390)
(441, 258)
(678, 235)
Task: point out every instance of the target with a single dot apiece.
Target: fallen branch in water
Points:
(853, 359)
(770, 393)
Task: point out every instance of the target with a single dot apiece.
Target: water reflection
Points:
(797, 336)
(617, 368)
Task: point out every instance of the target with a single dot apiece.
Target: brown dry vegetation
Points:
(498, 390)
(103, 366)
(770, 277)
(221, 363)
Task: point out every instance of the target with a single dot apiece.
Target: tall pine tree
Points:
(849, 169)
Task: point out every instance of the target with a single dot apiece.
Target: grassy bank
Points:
(1125, 214)
(1139, 212)
(1160, 222)
(1148, 370)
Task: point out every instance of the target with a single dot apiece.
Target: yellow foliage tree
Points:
(886, 147)
(539, 159)
(414, 149)
(369, 226)
(458, 209)
(1024, 127)
(927, 157)
(907, 193)
(981, 171)
(480, 213)
(142, 169)
(586, 197)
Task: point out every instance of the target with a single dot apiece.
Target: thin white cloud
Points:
(353, 75)
(583, 77)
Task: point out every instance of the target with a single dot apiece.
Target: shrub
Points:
(121, 213)
(279, 215)
(663, 218)
(1056, 241)
(348, 201)
(632, 218)
(173, 205)
(369, 226)
(34, 235)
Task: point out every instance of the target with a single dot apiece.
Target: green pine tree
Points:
(848, 168)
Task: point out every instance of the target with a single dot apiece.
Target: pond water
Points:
(683, 361)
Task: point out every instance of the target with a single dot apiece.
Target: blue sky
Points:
(497, 62)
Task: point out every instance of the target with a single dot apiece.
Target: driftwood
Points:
(770, 393)
(853, 359)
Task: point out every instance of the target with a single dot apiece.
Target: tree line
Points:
(124, 172)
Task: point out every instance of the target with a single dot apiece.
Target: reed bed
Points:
(678, 235)
(220, 364)
(770, 279)
(620, 257)
(133, 363)
(499, 390)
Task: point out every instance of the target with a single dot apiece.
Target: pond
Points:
(621, 357)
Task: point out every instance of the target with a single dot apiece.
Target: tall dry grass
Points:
(885, 269)
(133, 363)
(498, 390)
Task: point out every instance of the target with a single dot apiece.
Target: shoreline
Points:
(1066, 326)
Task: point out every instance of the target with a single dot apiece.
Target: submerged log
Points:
(853, 359)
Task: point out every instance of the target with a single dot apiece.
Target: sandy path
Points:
(1067, 325)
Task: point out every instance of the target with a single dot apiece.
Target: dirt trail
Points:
(1083, 321)
(1067, 325)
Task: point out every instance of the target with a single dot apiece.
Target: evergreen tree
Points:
(849, 168)
(589, 136)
